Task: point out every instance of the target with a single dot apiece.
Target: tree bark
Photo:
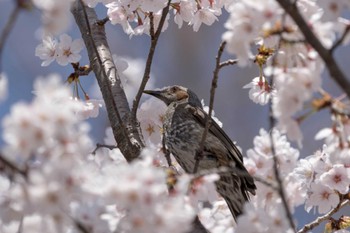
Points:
(126, 129)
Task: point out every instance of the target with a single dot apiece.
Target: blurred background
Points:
(182, 57)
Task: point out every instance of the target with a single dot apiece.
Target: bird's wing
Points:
(235, 155)
(201, 117)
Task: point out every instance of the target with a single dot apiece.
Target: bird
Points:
(183, 127)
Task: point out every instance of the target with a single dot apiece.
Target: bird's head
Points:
(176, 94)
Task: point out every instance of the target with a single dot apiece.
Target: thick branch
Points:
(310, 37)
(126, 130)
(154, 41)
(323, 218)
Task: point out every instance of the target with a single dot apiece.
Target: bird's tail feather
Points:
(233, 190)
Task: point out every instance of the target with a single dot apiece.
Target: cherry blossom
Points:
(64, 185)
(185, 12)
(206, 109)
(68, 50)
(90, 108)
(206, 16)
(129, 70)
(47, 51)
(260, 92)
(337, 178)
(64, 52)
(151, 116)
(55, 15)
(321, 197)
(217, 219)
(332, 9)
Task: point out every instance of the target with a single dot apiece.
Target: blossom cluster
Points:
(317, 181)
(135, 16)
(64, 52)
(265, 212)
(49, 144)
(63, 187)
(295, 67)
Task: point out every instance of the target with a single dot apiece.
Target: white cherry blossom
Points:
(321, 197)
(337, 178)
(260, 92)
(68, 50)
(47, 50)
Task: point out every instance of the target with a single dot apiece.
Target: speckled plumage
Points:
(183, 128)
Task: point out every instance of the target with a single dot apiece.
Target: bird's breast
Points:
(182, 138)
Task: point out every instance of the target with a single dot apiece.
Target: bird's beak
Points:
(157, 94)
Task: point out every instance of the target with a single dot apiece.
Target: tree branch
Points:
(280, 188)
(323, 218)
(7, 29)
(228, 63)
(325, 54)
(98, 146)
(341, 39)
(126, 130)
(211, 103)
(8, 164)
(154, 41)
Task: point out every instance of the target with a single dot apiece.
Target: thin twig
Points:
(323, 218)
(280, 188)
(98, 146)
(211, 103)
(20, 226)
(7, 29)
(326, 55)
(151, 25)
(341, 39)
(103, 21)
(7, 163)
(81, 70)
(228, 63)
(80, 226)
(146, 74)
